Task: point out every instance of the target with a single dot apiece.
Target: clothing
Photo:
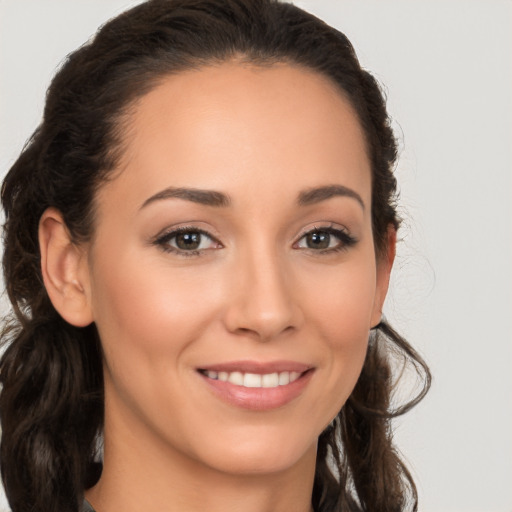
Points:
(87, 507)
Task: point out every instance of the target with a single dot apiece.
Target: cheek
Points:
(340, 313)
(143, 310)
(342, 306)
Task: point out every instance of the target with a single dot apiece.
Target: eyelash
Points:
(163, 240)
(345, 240)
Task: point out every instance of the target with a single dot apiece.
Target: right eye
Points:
(187, 241)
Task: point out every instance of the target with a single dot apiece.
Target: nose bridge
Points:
(263, 303)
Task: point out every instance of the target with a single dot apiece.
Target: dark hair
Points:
(51, 405)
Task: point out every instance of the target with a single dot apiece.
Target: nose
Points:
(263, 303)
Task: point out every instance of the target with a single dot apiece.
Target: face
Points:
(232, 274)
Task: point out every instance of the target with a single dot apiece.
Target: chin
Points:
(262, 456)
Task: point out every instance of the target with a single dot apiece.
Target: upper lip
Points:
(258, 367)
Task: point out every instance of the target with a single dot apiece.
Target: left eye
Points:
(322, 239)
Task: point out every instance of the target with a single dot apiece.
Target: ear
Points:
(384, 266)
(64, 269)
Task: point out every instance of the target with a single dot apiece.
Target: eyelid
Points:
(346, 239)
(319, 226)
(191, 225)
(163, 237)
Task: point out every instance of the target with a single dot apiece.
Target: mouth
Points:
(256, 386)
(254, 380)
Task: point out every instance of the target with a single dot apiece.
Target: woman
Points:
(199, 239)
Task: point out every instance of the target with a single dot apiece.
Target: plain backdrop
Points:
(447, 68)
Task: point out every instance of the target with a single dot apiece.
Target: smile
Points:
(257, 386)
(254, 380)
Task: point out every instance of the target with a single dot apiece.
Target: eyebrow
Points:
(316, 195)
(219, 199)
(195, 195)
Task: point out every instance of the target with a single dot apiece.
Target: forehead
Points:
(268, 128)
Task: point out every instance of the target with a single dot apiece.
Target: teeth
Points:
(236, 378)
(270, 380)
(252, 380)
(255, 380)
(284, 378)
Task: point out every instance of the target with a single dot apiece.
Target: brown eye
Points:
(318, 240)
(326, 240)
(188, 241)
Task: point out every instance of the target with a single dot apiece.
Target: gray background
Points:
(447, 68)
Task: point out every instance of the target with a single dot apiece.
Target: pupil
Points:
(188, 241)
(318, 240)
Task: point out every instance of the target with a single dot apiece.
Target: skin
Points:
(254, 291)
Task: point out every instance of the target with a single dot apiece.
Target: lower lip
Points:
(258, 399)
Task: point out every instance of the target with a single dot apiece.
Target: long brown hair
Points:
(51, 405)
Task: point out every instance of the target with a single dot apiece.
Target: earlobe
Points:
(64, 270)
(384, 266)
